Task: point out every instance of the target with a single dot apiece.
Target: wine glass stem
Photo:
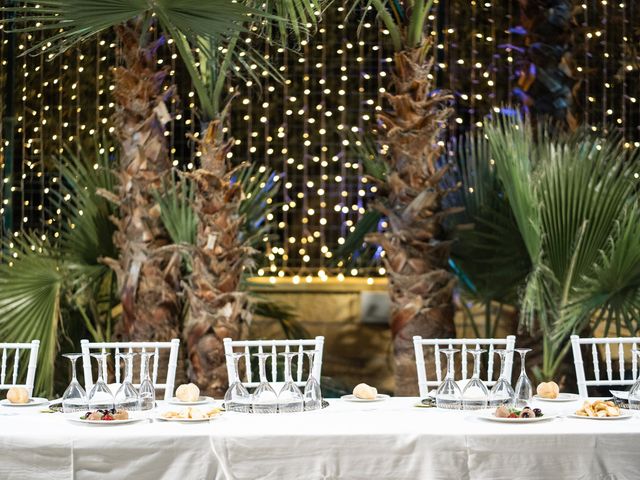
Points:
(287, 368)
(523, 371)
(236, 373)
(476, 365)
(73, 369)
(502, 365)
(263, 372)
(449, 366)
(129, 366)
(100, 363)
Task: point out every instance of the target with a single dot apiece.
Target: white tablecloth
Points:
(386, 440)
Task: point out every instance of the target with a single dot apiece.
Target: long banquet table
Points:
(385, 440)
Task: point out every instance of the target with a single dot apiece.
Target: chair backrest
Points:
(11, 354)
(125, 347)
(464, 344)
(606, 343)
(247, 347)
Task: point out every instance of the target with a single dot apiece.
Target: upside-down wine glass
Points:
(127, 397)
(146, 391)
(237, 398)
(74, 398)
(100, 396)
(312, 390)
(524, 388)
(634, 393)
(264, 398)
(475, 395)
(290, 398)
(502, 392)
(448, 394)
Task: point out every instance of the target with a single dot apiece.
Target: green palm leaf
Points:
(30, 290)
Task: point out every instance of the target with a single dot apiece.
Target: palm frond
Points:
(260, 185)
(30, 292)
(489, 254)
(177, 213)
(78, 20)
(87, 233)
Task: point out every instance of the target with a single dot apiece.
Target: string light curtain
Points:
(300, 126)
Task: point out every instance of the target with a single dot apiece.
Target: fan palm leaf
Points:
(575, 201)
(30, 294)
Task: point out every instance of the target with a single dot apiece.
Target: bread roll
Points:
(365, 392)
(548, 390)
(188, 393)
(18, 395)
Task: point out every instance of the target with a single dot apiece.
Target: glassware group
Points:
(290, 399)
(100, 397)
(475, 395)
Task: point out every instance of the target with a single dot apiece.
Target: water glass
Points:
(475, 395)
(237, 397)
(290, 398)
(524, 388)
(502, 392)
(312, 390)
(100, 396)
(74, 398)
(127, 397)
(448, 394)
(147, 390)
(264, 398)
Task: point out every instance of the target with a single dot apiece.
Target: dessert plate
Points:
(31, 403)
(562, 397)
(187, 420)
(492, 418)
(624, 414)
(76, 419)
(352, 398)
(200, 401)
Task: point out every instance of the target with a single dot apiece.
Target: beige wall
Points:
(354, 351)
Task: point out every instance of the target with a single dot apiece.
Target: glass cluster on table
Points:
(100, 397)
(476, 395)
(265, 399)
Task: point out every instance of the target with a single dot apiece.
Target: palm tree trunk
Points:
(217, 309)
(415, 245)
(148, 273)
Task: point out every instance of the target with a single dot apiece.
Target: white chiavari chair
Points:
(463, 344)
(158, 348)
(10, 366)
(274, 347)
(594, 345)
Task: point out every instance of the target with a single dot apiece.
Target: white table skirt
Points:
(386, 440)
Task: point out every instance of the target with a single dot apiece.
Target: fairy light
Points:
(300, 126)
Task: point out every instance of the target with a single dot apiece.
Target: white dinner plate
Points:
(491, 417)
(562, 397)
(74, 417)
(200, 401)
(31, 403)
(624, 414)
(621, 394)
(186, 420)
(352, 398)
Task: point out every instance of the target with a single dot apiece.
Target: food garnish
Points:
(526, 412)
(106, 415)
